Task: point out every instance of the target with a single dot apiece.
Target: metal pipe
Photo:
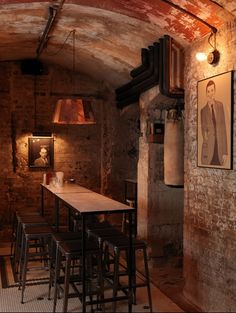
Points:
(213, 29)
(53, 12)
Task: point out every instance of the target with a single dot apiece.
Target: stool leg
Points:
(66, 283)
(13, 239)
(134, 276)
(21, 260)
(56, 277)
(116, 276)
(52, 268)
(147, 278)
(25, 263)
(17, 248)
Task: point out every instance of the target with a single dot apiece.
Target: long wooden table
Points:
(88, 203)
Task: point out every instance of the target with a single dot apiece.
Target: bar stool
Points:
(22, 222)
(117, 245)
(100, 232)
(125, 220)
(55, 240)
(72, 251)
(42, 235)
(14, 228)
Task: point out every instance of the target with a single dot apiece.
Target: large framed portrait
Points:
(41, 152)
(214, 126)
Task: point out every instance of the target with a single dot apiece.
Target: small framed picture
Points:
(214, 138)
(41, 152)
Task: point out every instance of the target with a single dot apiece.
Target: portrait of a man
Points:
(43, 159)
(40, 152)
(214, 121)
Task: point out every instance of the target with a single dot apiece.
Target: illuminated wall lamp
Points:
(214, 56)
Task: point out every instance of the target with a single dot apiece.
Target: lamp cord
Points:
(62, 46)
(73, 68)
(214, 40)
(35, 103)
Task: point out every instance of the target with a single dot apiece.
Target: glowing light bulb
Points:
(201, 56)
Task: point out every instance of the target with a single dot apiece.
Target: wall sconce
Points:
(214, 56)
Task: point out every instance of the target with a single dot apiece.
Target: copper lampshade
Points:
(73, 111)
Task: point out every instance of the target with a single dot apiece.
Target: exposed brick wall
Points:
(80, 151)
(210, 197)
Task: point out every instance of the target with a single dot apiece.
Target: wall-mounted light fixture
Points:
(213, 56)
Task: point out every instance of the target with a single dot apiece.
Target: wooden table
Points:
(88, 203)
(65, 189)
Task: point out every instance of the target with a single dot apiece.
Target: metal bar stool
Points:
(56, 239)
(42, 235)
(117, 245)
(72, 251)
(22, 222)
(101, 232)
(14, 228)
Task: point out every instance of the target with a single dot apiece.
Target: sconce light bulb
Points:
(201, 56)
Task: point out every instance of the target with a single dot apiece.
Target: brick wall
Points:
(80, 151)
(210, 206)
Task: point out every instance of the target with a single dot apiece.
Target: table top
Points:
(93, 203)
(67, 188)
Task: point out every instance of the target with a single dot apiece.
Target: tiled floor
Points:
(166, 277)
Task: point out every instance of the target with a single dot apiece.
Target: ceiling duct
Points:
(163, 66)
(171, 65)
(145, 63)
(130, 92)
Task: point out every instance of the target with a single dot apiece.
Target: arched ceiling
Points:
(109, 33)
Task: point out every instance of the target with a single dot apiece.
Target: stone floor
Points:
(166, 278)
(167, 275)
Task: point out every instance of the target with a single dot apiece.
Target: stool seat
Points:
(57, 237)
(122, 242)
(75, 246)
(103, 233)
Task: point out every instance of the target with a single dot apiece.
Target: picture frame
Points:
(40, 152)
(214, 121)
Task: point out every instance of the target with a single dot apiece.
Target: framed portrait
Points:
(214, 122)
(41, 152)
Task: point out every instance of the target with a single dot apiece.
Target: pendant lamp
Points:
(73, 110)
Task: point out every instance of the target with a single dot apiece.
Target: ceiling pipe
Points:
(53, 12)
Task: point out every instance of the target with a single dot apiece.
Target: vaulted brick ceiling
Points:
(109, 33)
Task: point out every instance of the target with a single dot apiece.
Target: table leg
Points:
(42, 200)
(83, 264)
(131, 270)
(57, 207)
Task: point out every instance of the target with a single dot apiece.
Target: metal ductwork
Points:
(162, 63)
(145, 63)
(148, 78)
